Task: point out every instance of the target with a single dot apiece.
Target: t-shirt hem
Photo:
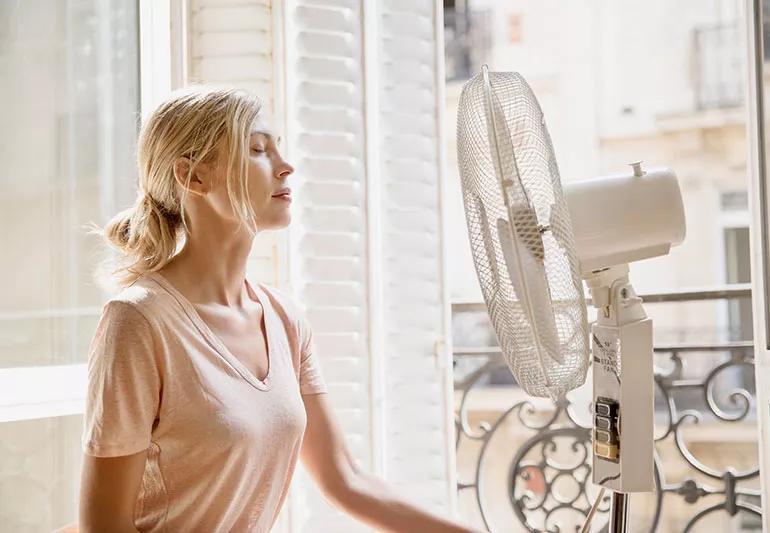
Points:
(114, 450)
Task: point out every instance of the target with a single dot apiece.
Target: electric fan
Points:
(533, 241)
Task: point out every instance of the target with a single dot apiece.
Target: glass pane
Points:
(738, 269)
(67, 142)
(39, 473)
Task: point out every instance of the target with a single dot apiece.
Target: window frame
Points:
(759, 209)
(46, 391)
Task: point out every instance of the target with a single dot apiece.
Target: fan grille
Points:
(509, 174)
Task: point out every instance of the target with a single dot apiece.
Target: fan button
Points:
(606, 451)
(603, 436)
(603, 422)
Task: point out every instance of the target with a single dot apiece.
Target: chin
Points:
(281, 222)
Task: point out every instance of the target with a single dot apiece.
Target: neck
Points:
(211, 267)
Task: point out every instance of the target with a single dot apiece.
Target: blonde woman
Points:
(203, 387)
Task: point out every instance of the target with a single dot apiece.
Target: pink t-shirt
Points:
(222, 445)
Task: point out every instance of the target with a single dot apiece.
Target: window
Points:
(72, 72)
(738, 270)
(734, 227)
(718, 66)
(69, 73)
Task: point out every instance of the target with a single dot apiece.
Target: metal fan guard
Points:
(509, 175)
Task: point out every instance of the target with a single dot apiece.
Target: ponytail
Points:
(145, 236)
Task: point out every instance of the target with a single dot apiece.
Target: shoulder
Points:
(133, 305)
(130, 329)
(136, 295)
(284, 301)
(124, 332)
(290, 311)
(145, 296)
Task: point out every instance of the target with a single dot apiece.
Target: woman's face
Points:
(266, 179)
(268, 176)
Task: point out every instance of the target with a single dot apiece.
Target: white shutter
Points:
(232, 42)
(419, 443)
(363, 82)
(328, 236)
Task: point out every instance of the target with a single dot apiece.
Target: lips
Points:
(286, 192)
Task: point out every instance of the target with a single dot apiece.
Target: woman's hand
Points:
(361, 495)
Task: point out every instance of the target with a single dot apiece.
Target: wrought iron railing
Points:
(543, 451)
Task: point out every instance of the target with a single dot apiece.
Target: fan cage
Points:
(502, 135)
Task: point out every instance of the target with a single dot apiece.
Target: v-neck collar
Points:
(216, 342)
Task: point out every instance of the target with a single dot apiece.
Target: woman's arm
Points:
(359, 494)
(108, 490)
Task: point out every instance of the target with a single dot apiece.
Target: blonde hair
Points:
(201, 123)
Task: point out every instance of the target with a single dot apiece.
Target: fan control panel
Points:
(607, 429)
(622, 433)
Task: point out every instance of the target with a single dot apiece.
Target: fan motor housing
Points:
(625, 218)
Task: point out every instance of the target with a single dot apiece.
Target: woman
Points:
(203, 388)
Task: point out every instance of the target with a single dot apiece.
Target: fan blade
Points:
(537, 295)
(489, 247)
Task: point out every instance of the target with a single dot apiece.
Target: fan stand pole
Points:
(618, 518)
(618, 522)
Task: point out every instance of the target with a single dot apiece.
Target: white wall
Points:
(647, 60)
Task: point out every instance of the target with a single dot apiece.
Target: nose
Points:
(283, 170)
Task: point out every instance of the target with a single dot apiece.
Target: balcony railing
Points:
(525, 463)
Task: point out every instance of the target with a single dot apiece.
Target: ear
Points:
(198, 176)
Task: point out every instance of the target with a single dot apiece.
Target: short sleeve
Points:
(311, 379)
(124, 383)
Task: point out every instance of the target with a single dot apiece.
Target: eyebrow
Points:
(266, 132)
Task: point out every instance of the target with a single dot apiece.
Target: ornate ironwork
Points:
(549, 475)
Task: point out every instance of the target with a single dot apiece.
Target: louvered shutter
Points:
(233, 43)
(329, 235)
(366, 243)
(418, 434)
